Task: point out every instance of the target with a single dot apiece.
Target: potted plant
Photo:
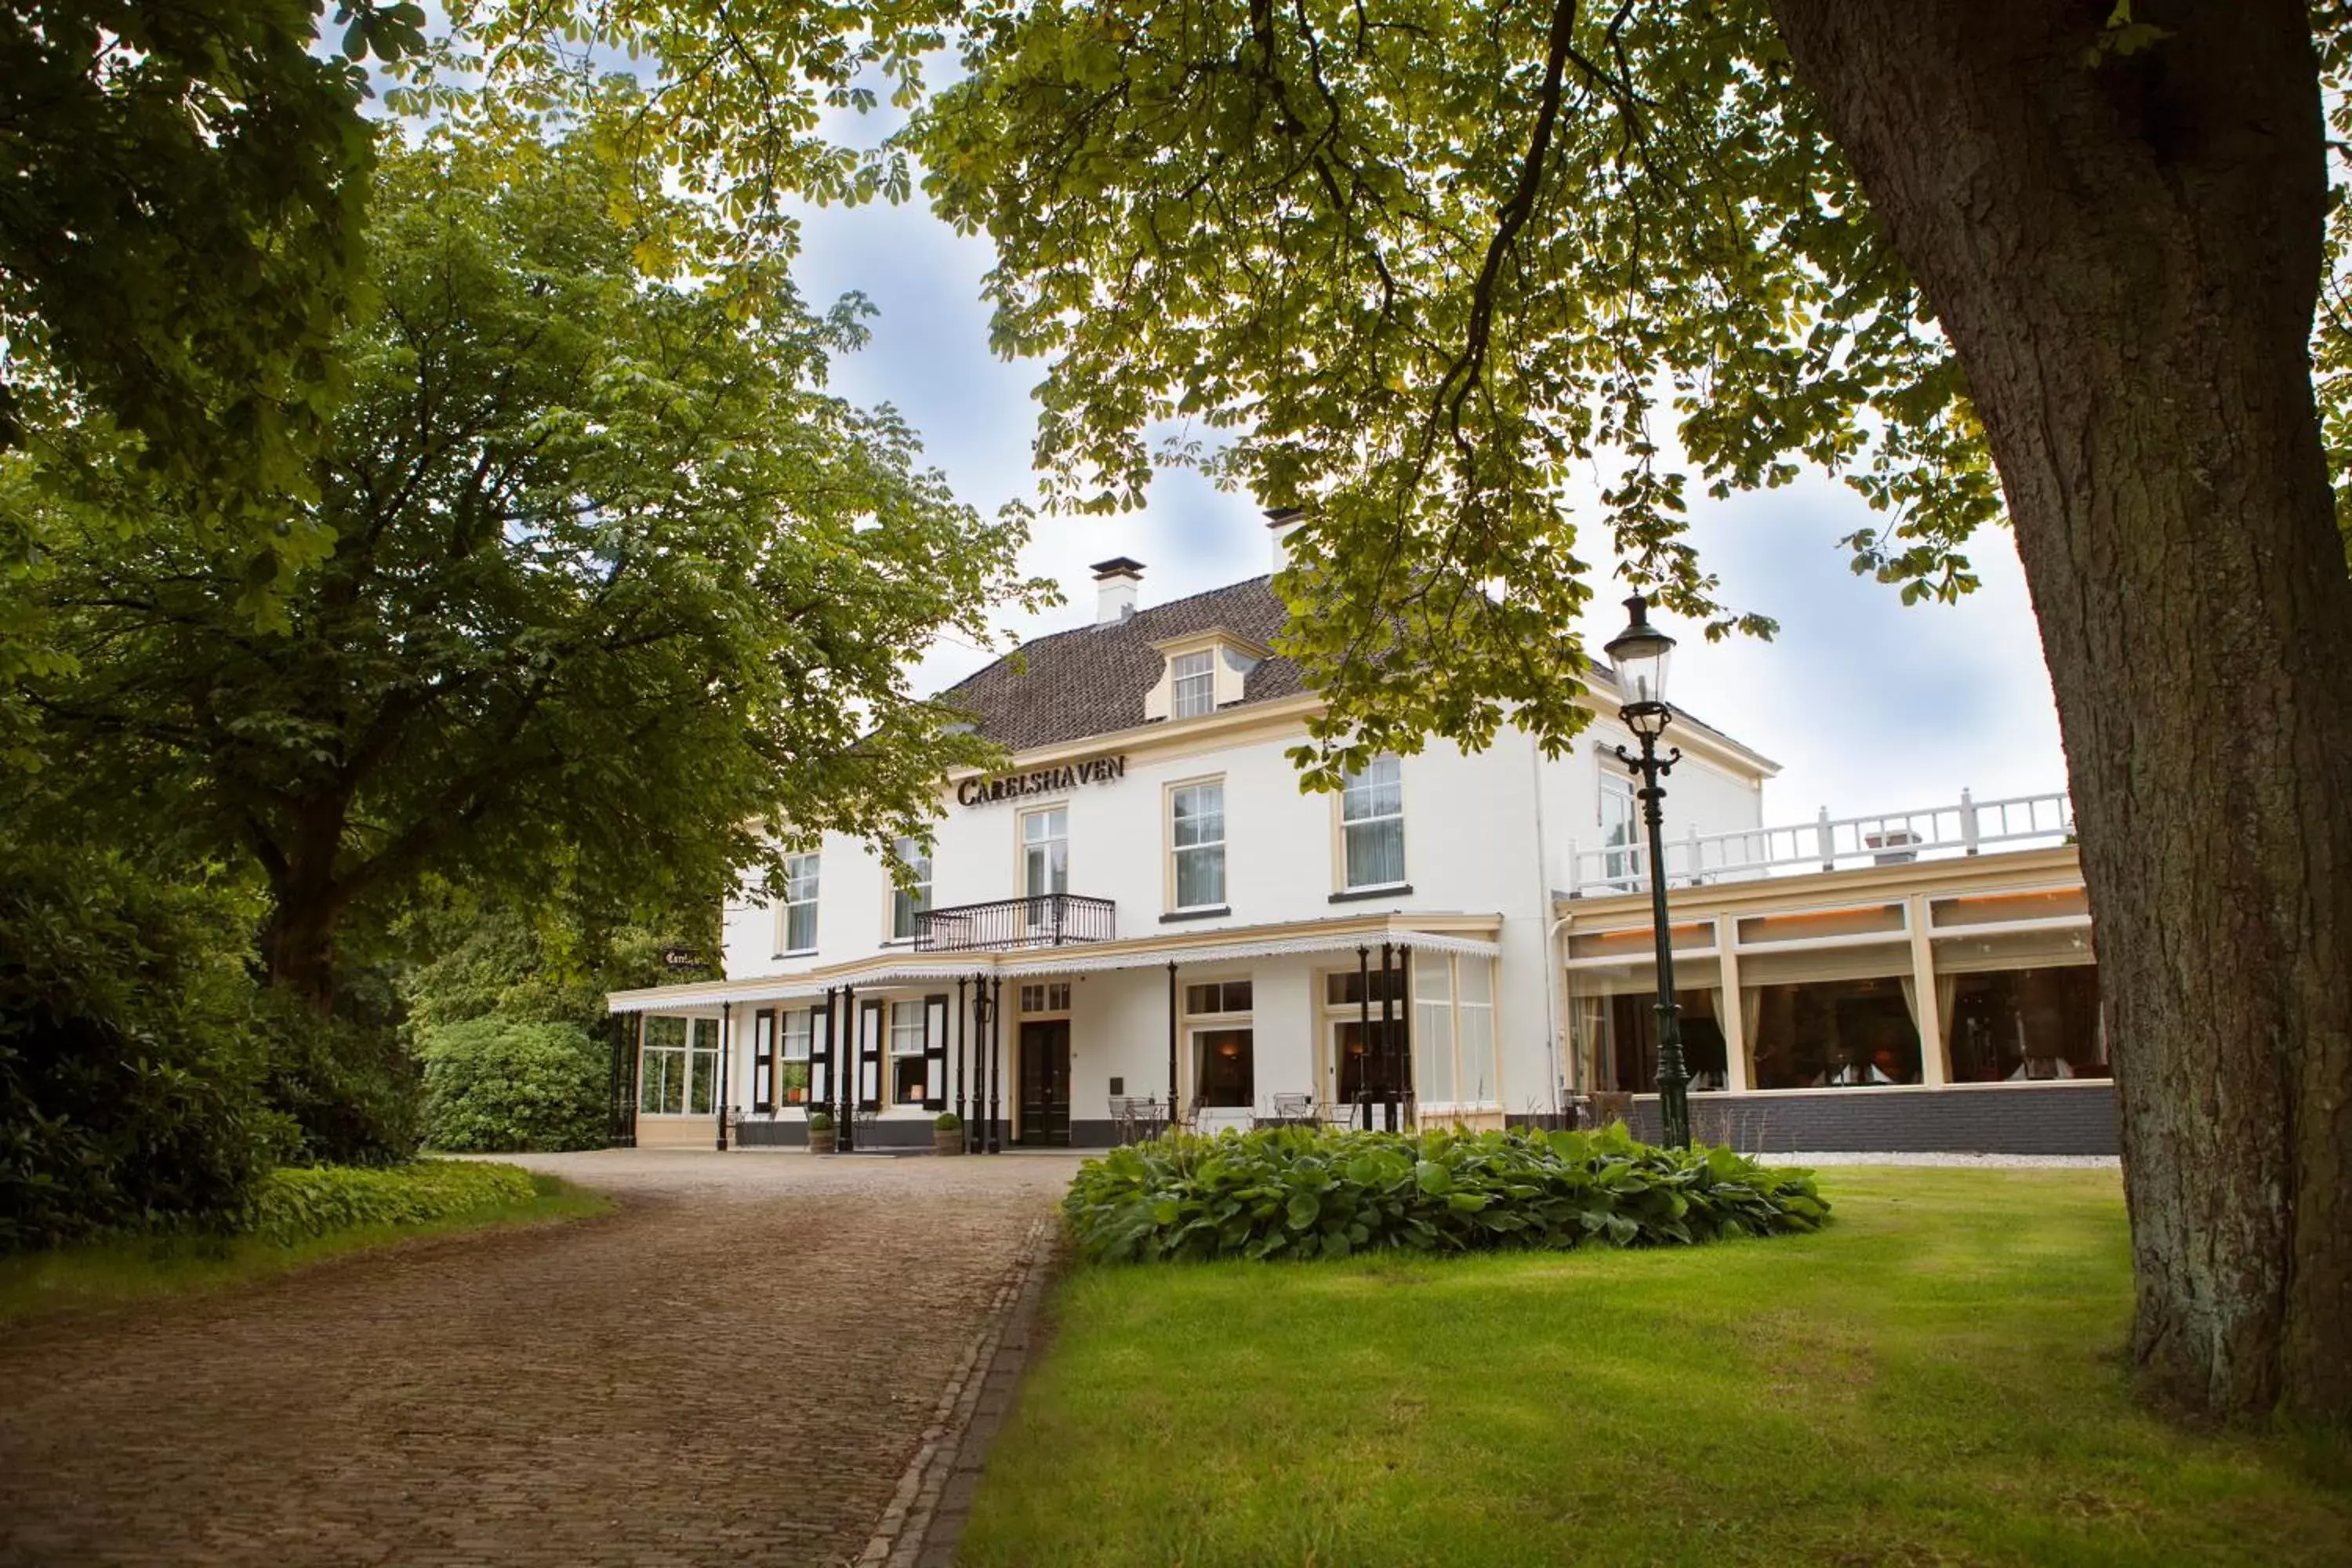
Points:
(821, 1134)
(947, 1134)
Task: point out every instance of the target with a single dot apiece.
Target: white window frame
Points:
(1220, 1021)
(1192, 684)
(906, 1017)
(1620, 863)
(1211, 849)
(907, 903)
(1353, 790)
(1045, 844)
(802, 876)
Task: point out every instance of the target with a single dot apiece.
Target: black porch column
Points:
(975, 1126)
(995, 1064)
(1388, 1041)
(963, 1038)
(726, 1067)
(844, 1138)
(832, 1032)
(1172, 1045)
(1363, 1035)
(1410, 1113)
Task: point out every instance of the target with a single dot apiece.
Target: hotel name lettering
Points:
(1042, 780)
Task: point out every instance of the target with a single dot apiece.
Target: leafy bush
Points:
(349, 1085)
(947, 1121)
(306, 1201)
(493, 1084)
(820, 1122)
(1296, 1193)
(131, 1070)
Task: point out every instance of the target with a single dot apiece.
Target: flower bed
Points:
(1293, 1192)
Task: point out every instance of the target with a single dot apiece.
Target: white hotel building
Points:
(1143, 909)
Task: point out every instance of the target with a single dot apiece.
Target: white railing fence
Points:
(1826, 843)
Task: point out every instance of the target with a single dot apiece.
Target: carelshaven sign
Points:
(1042, 780)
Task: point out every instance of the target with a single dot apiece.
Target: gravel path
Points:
(733, 1367)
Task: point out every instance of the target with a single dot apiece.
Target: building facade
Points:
(1141, 915)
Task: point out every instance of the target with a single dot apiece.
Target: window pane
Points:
(1194, 691)
(1200, 813)
(906, 904)
(797, 1035)
(1477, 1054)
(2024, 1026)
(800, 927)
(1375, 853)
(1378, 791)
(1223, 1067)
(1433, 1030)
(1832, 1032)
(1200, 878)
(706, 1081)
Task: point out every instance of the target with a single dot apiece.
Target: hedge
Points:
(1296, 1193)
(300, 1201)
(497, 1085)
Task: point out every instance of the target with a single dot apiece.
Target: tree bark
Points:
(2126, 254)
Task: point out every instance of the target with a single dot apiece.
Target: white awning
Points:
(1082, 958)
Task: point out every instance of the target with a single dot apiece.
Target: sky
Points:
(1868, 705)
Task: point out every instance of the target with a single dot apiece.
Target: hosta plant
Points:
(1295, 1192)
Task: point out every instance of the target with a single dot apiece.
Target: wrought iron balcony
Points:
(1050, 920)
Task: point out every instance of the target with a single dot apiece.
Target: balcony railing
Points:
(1050, 920)
(1826, 843)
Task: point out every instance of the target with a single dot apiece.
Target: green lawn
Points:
(1933, 1379)
(107, 1273)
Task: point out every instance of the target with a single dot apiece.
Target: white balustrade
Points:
(1826, 843)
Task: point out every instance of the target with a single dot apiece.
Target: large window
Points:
(1371, 821)
(906, 903)
(1045, 853)
(792, 1077)
(1224, 1057)
(1628, 1046)
(800, 903)
(661, 1068)
(1834, 1031)
(1620, 860)
(2024, 1026)
(677, 1073)
(1369, 1056)
(1198, 829)
(909, 1066)
(1453, 1030)
(1195, 684)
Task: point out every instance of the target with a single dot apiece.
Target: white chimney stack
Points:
(1115, 581)
(1282, 521)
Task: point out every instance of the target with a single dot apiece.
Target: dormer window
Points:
(1195, 684)
(1206, 670)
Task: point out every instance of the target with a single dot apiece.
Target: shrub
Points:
(300, 1201)
(493, 1084)
(349, 1085)
(1296, 1193)
(820, 1122)
(130, 1068)
(947, 1121)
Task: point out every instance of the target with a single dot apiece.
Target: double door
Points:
(1045, 1082)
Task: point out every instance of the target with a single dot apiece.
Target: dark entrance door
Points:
(1045, 1082)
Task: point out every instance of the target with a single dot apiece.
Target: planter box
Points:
(821, 1142)
(947, 1139)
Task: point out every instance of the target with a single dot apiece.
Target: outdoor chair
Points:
(1293, 1110)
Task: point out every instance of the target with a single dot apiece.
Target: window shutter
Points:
(869, 1057)
(935, 1053)
(764, 1061)
(821, 1044)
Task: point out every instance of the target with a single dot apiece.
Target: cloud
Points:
(1870, 705)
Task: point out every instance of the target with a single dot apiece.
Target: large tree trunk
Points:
(2126, 256)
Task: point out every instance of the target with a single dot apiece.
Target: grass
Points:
(1936, 1378)
(124, 1269)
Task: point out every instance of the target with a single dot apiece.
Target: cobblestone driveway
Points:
(733, 1368)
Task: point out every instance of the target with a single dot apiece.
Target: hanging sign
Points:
(1042, 780)
(681, 958)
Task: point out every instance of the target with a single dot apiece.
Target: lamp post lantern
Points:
(1640, 654)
